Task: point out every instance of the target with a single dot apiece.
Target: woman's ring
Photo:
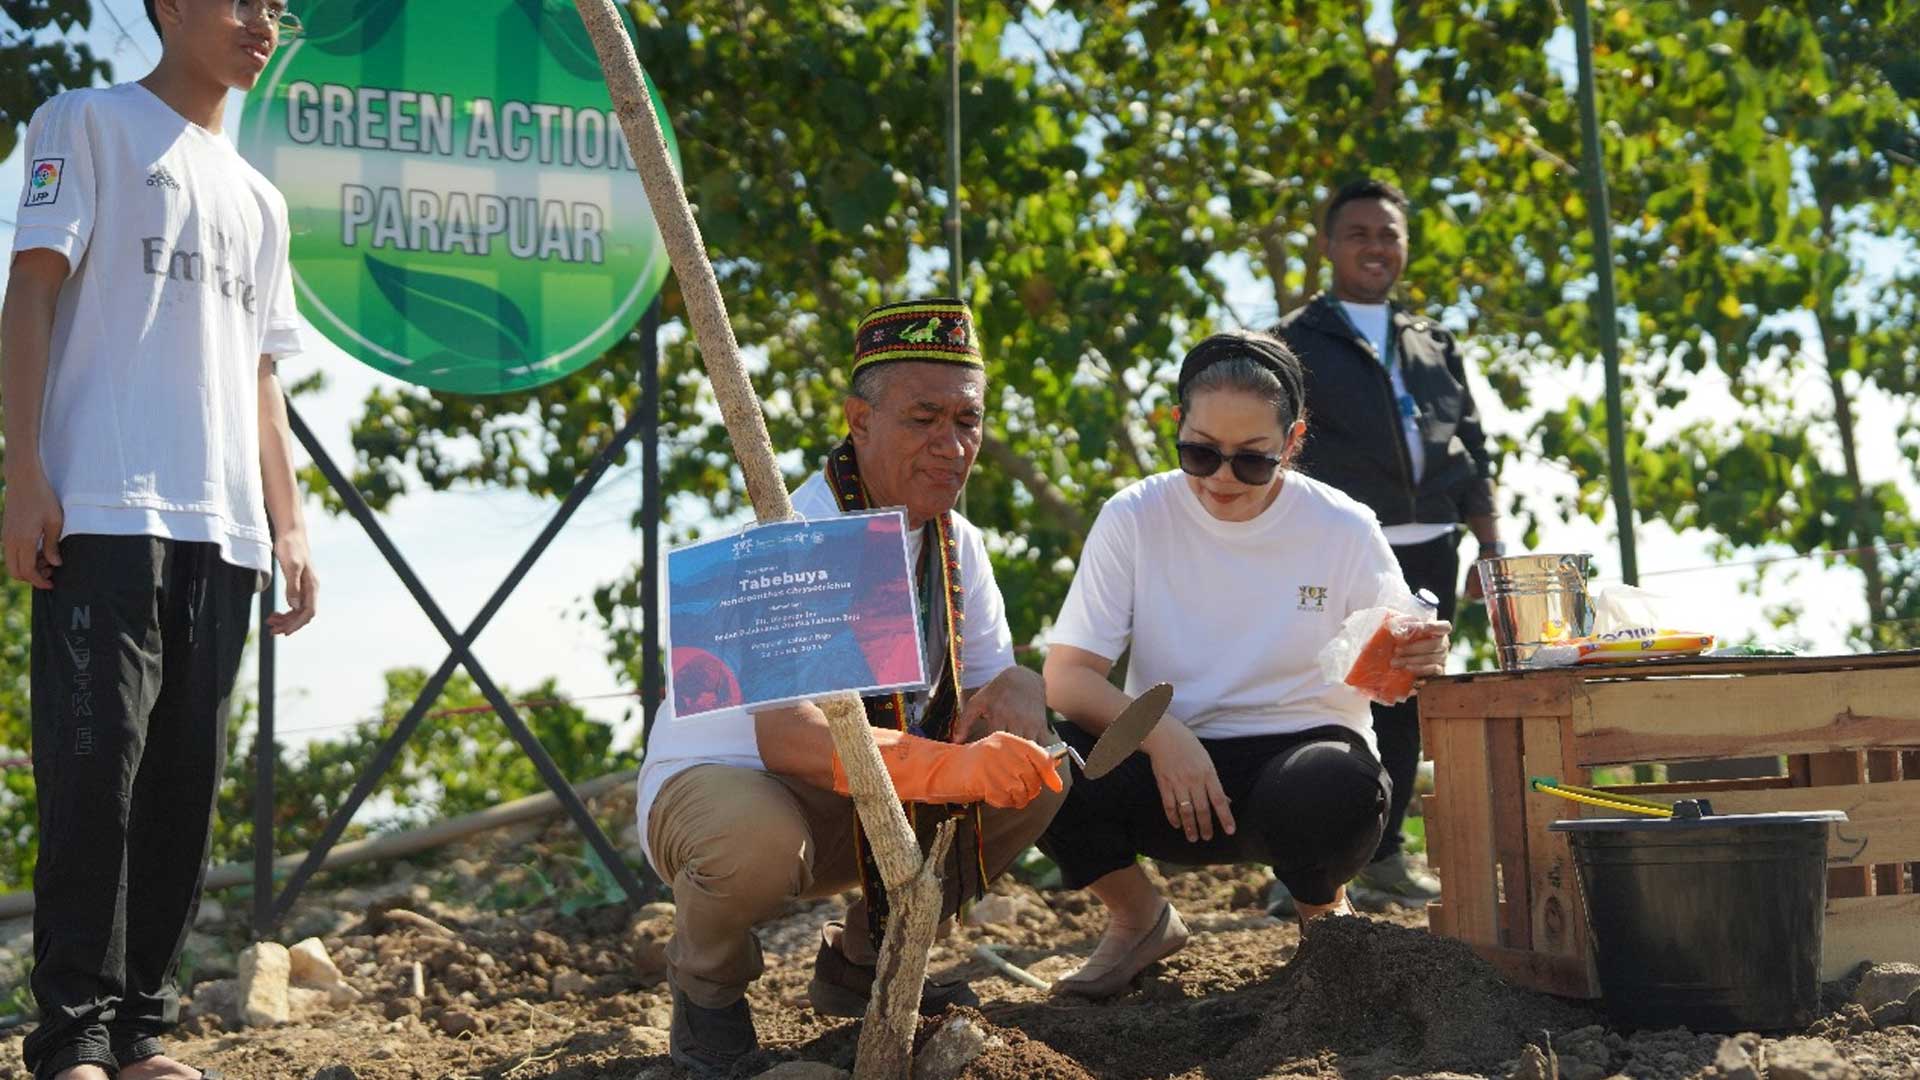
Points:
(1186, 802)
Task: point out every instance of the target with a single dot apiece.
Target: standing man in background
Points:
(149, 489)
(1395, 427)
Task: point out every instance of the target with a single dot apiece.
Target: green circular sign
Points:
(465, 212)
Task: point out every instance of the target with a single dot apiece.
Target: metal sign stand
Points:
(269, 910)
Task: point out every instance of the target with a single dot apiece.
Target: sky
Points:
(462, 543)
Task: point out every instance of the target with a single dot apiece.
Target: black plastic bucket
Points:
(1710, 923)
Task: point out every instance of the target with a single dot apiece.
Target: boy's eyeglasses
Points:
(1201, 460)
(273, 13)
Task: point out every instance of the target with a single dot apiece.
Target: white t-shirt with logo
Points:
(727, 737)
(1233, 614)
(177, 251)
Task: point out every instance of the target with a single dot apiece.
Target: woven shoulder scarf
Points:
(941, 601)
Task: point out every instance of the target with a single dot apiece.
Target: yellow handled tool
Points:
(1606, 800)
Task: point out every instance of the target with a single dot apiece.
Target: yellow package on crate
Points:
(1620, 646)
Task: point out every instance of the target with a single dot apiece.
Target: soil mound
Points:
(1021, 1058)
(1008, 1054)
(1388, 999)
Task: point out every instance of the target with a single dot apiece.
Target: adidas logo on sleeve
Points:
(160, 177)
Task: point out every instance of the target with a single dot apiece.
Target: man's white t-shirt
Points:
(1233, 614)
(727, 737)
(177, 256)
(1373, 321)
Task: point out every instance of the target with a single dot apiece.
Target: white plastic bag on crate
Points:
(1629, 623)
(1629, 607)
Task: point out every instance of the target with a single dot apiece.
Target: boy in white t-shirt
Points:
(149, 486)
(744, 812)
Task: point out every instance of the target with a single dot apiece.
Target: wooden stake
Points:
(886, 1043)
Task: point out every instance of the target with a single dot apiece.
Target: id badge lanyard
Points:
(1403, 398)
(1409, 410)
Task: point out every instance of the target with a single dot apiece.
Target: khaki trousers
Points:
(739, 845)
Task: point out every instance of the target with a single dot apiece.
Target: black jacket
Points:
(1354, 439)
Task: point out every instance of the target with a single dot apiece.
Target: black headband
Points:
(1263, 349)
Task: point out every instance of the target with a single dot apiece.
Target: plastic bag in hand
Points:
(1361, 652)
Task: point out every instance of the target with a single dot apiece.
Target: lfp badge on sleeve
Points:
(783, 612)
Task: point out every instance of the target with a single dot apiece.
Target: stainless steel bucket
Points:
(1532, 600)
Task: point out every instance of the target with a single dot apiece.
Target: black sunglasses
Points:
(1201, 460)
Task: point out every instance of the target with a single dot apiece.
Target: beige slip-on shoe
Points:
(1112, 967)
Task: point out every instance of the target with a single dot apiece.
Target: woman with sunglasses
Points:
(1225, 577)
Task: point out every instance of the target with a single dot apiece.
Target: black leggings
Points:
(1310, 804)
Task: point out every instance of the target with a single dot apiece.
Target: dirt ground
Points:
(521, 992)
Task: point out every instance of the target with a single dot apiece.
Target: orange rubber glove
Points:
(1000, 770)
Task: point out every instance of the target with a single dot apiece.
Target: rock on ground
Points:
(304, 1003)
(950, 1049)
(264, 973)
(459, 1022)
(220, 999)
(997, 910)
(647, 946)
(1735, 1058)
(1807, 1059)
(310, 966)
(314, 969)
(1885, 984)
(1893, 1014)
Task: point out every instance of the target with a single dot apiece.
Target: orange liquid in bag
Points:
(1373, 673)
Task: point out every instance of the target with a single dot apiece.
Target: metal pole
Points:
(956, 266)
(1604, 303)
(543, 763)
(956, 272)
(461, 645)
(651, 680)
(265, 757)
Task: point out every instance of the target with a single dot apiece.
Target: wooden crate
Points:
(1848, 729)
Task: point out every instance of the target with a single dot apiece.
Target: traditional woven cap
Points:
(938, 330)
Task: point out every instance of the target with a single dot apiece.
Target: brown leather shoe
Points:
(1112, 968)
(841, 987)
(708, 1042)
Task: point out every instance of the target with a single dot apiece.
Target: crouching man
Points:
(743, 813)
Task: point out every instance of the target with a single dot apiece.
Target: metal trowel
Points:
(1123, 736)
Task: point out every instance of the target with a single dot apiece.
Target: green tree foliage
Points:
(36, 66)
(460, 760)
(1763, 165)
(1126, 162)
